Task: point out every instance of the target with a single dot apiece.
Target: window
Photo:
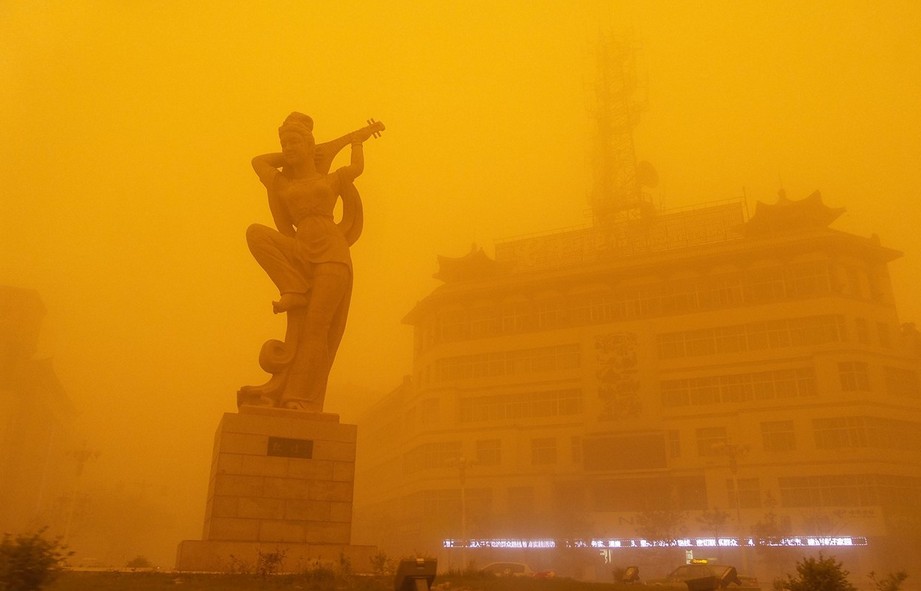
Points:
(839, 432)
(485, 321)
(674, 444)
(432, 503)
(854, 376)
(429, 456)
(763, 285)
(778, 332)
(863, 331)
(729, 339)
(739, 388)
(685, 493)
(700, 342)
(675, 393)
(872, 432)
(500, 363)
(709, 440)
(489, 452)
(704, 390)
(576, 446)
(778, 436)
(543, 451)
(736, 388)
(526, 405)
(625, 451)
(807, 279)
(846, 490)
(744, 493)
(792, 332)
(671, 345)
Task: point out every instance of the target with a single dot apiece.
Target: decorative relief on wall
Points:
(617, 375)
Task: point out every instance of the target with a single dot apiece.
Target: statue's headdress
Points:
(297, 123)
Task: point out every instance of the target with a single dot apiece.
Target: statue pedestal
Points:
(281, 481)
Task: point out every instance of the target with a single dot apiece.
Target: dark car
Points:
(701, 576)
(515, 569)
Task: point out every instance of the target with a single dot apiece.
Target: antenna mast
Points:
(617, 193)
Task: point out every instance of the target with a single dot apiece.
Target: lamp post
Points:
(462, 463)
(81, 456)
(734, 452)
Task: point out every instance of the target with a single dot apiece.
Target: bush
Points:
(139, 562)
(270, 563)
(818, 574)
(30, 561)
(891, 582)
(381, 564)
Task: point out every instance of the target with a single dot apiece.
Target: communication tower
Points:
(617, 193)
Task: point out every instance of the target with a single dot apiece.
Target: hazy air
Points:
(126, 185)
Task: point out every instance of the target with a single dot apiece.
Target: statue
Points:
(307, 256)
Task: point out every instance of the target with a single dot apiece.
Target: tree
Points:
(664, 525)
(891, 582)
(819, 574)
(714, 520)
(30, 561)
(769, 530)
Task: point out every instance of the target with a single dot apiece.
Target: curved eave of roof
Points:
(786, 216)
(474, 265)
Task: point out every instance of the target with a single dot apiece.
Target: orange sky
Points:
(128, 129)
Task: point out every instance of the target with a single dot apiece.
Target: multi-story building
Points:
(680, 380)
(36, 422)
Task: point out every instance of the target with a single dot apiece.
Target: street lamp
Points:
(461, 464)
(734, 452)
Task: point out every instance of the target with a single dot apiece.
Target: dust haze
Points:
(126, 185)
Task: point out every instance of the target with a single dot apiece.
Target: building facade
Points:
(699, 376)
(36, 422)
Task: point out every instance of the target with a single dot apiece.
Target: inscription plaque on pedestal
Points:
(284, 447)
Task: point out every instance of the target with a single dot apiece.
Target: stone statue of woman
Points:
(307, 256)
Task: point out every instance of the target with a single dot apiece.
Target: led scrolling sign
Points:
(624, 543)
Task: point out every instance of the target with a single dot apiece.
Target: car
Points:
(515, 569)
(702, 575)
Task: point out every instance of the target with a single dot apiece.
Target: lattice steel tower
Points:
(617, 193)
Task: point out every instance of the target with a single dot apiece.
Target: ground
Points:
(159, 581)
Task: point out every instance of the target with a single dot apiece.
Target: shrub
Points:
(818, 574)
(320, 573)
(139, 562)
(30, 561)
(345, 565)
(269, 563)
(238, 566)
(381, 564)
(891, 582)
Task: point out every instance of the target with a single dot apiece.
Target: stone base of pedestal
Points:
(280, 481)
